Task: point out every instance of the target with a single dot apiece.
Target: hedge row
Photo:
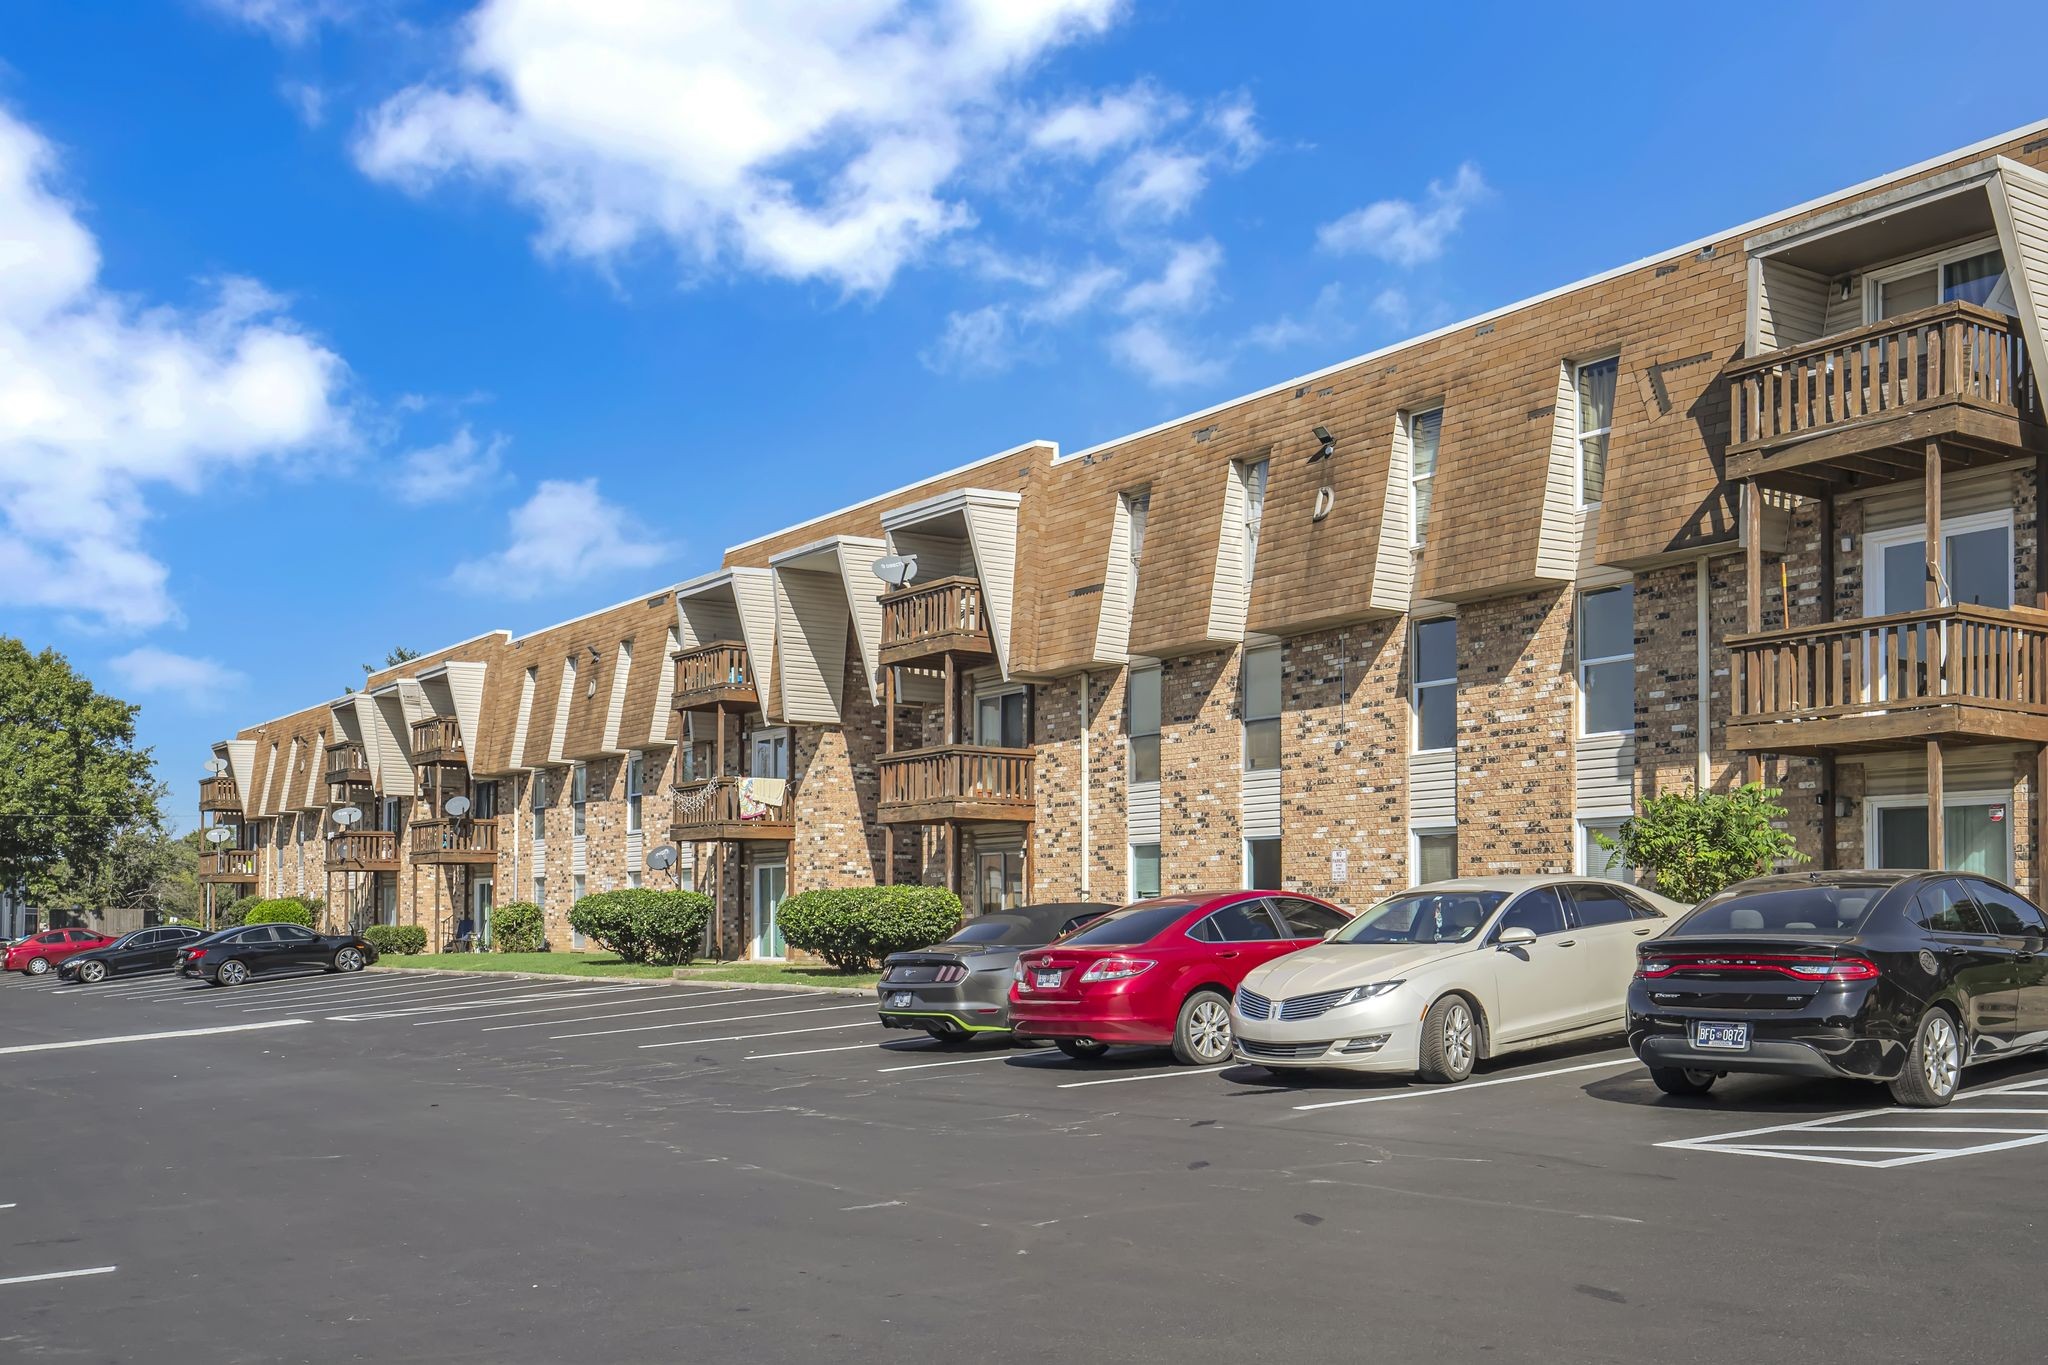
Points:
(857, 926)
(401, 940)
(642, 924)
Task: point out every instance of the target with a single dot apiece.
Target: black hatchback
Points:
(1900, 977)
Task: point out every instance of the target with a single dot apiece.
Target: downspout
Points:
(1703, 760)
(1086, 783)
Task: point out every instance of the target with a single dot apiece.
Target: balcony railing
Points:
(438, 739)
(453, 841)
(717, 809)
(368, 850)
(234, 865)
(348, 764)
(1953, 353)
(934, 618)
(1965, 671)
(716, 674)
(957, 782)
(219, 794)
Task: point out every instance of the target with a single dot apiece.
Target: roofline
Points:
(645, 599)
(817, 547)
(1477, 319)
(959, 499)
(717, 578)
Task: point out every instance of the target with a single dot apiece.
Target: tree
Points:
(399, 655)
(1697, 843)
(71, 777)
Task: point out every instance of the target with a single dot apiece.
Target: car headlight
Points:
(1373, 991)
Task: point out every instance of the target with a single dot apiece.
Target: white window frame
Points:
(539, 802)
(1130, 734)
(998, 695)
(1131, 867)
(1416, 833)
(1875, 280)
(1418, 528)
(1976, 796)
(770, 736)
(635, 779)
(1583, 863)
(1245, 707)
(1252, 475)
(1581, 435)
(579, 797)
(1590, 661)
(1875, 543)
(1416, 687)
(1137, 508)
(1245, 852)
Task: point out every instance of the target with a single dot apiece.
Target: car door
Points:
(1240, 936)
(1538, 987)
(1974, 959)
(2021, 927)
(256, 947)
(134, 952)
(1608, 930)
(1306, 922)
(297, 947)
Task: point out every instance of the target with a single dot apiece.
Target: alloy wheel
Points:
(39, 967)
(93, 971)
(1209, 1030)
(1458, 1047)
(1940, 1055)
(349, 960)
(232, 974)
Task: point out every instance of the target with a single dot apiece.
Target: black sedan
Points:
(145, 950)
(1900, 977)
(961, 988)
(233, 956)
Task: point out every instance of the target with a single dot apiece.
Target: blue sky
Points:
(331, 325)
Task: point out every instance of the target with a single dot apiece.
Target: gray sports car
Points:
(961, 988)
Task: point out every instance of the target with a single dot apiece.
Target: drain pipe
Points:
(1086, 784)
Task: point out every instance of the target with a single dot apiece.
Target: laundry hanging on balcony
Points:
(759, 796)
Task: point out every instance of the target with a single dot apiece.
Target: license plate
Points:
(900, 1000)
(1046, 981)
(1721, 1037)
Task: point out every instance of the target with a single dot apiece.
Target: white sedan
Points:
(1430, 981)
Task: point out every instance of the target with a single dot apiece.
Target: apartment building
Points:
(1763, 506)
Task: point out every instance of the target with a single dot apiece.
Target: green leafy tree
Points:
(1695, 844)
(71, 777)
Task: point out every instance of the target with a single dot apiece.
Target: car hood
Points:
(1331, 966)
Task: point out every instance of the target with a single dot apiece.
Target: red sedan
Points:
(1161, 972)
(39, 953)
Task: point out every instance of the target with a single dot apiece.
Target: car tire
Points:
(348, 960)
(1934, 1064)
(1450, 1041)
(1201, 1036)
(37, 966)
(92, 973)
(233, 972)
(1676, 1080)
(1080, 1049)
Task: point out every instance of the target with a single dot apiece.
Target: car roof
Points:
(1881, 876)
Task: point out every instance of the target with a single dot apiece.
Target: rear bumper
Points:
(947, 1008)
(1105, 1020)
(1775, 1048)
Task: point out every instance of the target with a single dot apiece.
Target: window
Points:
(1607, 661)
(1595, 384)
(1137, 506)
(1242, 922)
(1595, 861)
(1001, 719)
(1143, 710)
(1262, 864)
(540, 807)
(1000, 877)
(1253, 476)
(768, 752)
(2006, 913)
(1307, 919)
(576, 883)
(1144, 871)
(291, 933)
(633, 879)
(1598, 905)
(1942, 907)
(540, 891)
(1977, 564)
(1261, 683)
(1425, 431)
(1129, 928)
(1540, 909)
(484, 804)
(1435, 687)
(1436, 855)
(579, 794)
(1821, 911)
(634, 776)
(1966, 274)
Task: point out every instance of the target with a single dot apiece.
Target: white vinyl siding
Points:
(1120, 578)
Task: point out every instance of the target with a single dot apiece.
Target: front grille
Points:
(1310, 1006)
(1252, 1005)
(1295, 1052)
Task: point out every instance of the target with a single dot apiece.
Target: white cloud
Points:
(1086, 129)
(802, 140)
(288, 21)
(564, 535)
(1401, 231)
(1186, 285)
(458, 465)
(977, 342)
(1161, 359)
(198, 682)
(1155, 184)
(1392, 306)
(307, 100)
(1235, 123)
(1076, 293)
(104, 400)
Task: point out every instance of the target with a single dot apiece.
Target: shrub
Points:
(401, 940)
(642, 924)
(1695, 844)
(230, 916)
(857, 926)
(517, 928)
(284, 910)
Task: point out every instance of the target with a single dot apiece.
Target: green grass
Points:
(782, 974)
(604, 964)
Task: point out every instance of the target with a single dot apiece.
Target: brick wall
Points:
(1515, 703)
(1344, 762)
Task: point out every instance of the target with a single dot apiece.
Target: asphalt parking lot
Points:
(401, 1167)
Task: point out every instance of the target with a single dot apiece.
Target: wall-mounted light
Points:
(1326, 445)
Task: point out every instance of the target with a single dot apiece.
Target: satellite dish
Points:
(896, 570)
(457, 806)
(216, 766)
(661, 859)
(347, 816)
(219, 834)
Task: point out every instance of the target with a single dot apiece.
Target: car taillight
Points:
(1796, 966)
(947, 975)
(1018, 978)
(1114, 969)
(194, 954)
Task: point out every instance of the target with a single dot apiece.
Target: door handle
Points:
(1642, 933)
(1226, 954)
(1567, 942)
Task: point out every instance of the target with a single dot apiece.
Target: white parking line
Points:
(61, 1275)
(457, 1014)
(149, 1037)
(744, 1037)
(1806, 1140)
(962, 1061)
(379, 999)
(379, 1010)
(887, 1045)
(356, 989)
(1151, 1076)
(1470, 1085)
(664, 1009)
(700, 1023)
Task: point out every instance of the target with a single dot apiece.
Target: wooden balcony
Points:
(348, 764)
(956, 782)
(437, 739)
(943, 616)
(1859, 407)
(713, 675)
(234, 865)
(711, 811)
(218, 795)
(1962, 674)
(364, 850)
(453, 841)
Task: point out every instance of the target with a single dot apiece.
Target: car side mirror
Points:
(1515, 936)
(1329, 934)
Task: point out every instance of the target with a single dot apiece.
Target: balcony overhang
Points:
(732, 605)
(456, 690)
(819, 588)
(967, 533)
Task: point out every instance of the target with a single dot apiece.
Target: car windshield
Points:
(1126, 928)
(984, 931)
(1819, 911)
(1424, 917)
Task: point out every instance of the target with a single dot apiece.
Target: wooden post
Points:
(952, 834)
(952, 735)
(1827, 810)
(888, 747)
(1752, 591)
(2041, 530)
(718, 744)
(1826, 521)
(2040, 795)
(1933, 597)
(1937, 842)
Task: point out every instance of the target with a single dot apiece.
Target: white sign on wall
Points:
(1340, 864)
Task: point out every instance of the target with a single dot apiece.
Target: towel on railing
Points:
(759, 795)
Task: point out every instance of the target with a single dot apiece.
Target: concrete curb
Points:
(678, 978)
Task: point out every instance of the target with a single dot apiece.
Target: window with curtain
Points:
(1143, 709)
(1434, 691)
(1261, 709)
(1596, 381)
(1607, 661)
(1425, 431)
(1137, 506)
(1000, 720)
(1436, 855)
(1254, 477)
